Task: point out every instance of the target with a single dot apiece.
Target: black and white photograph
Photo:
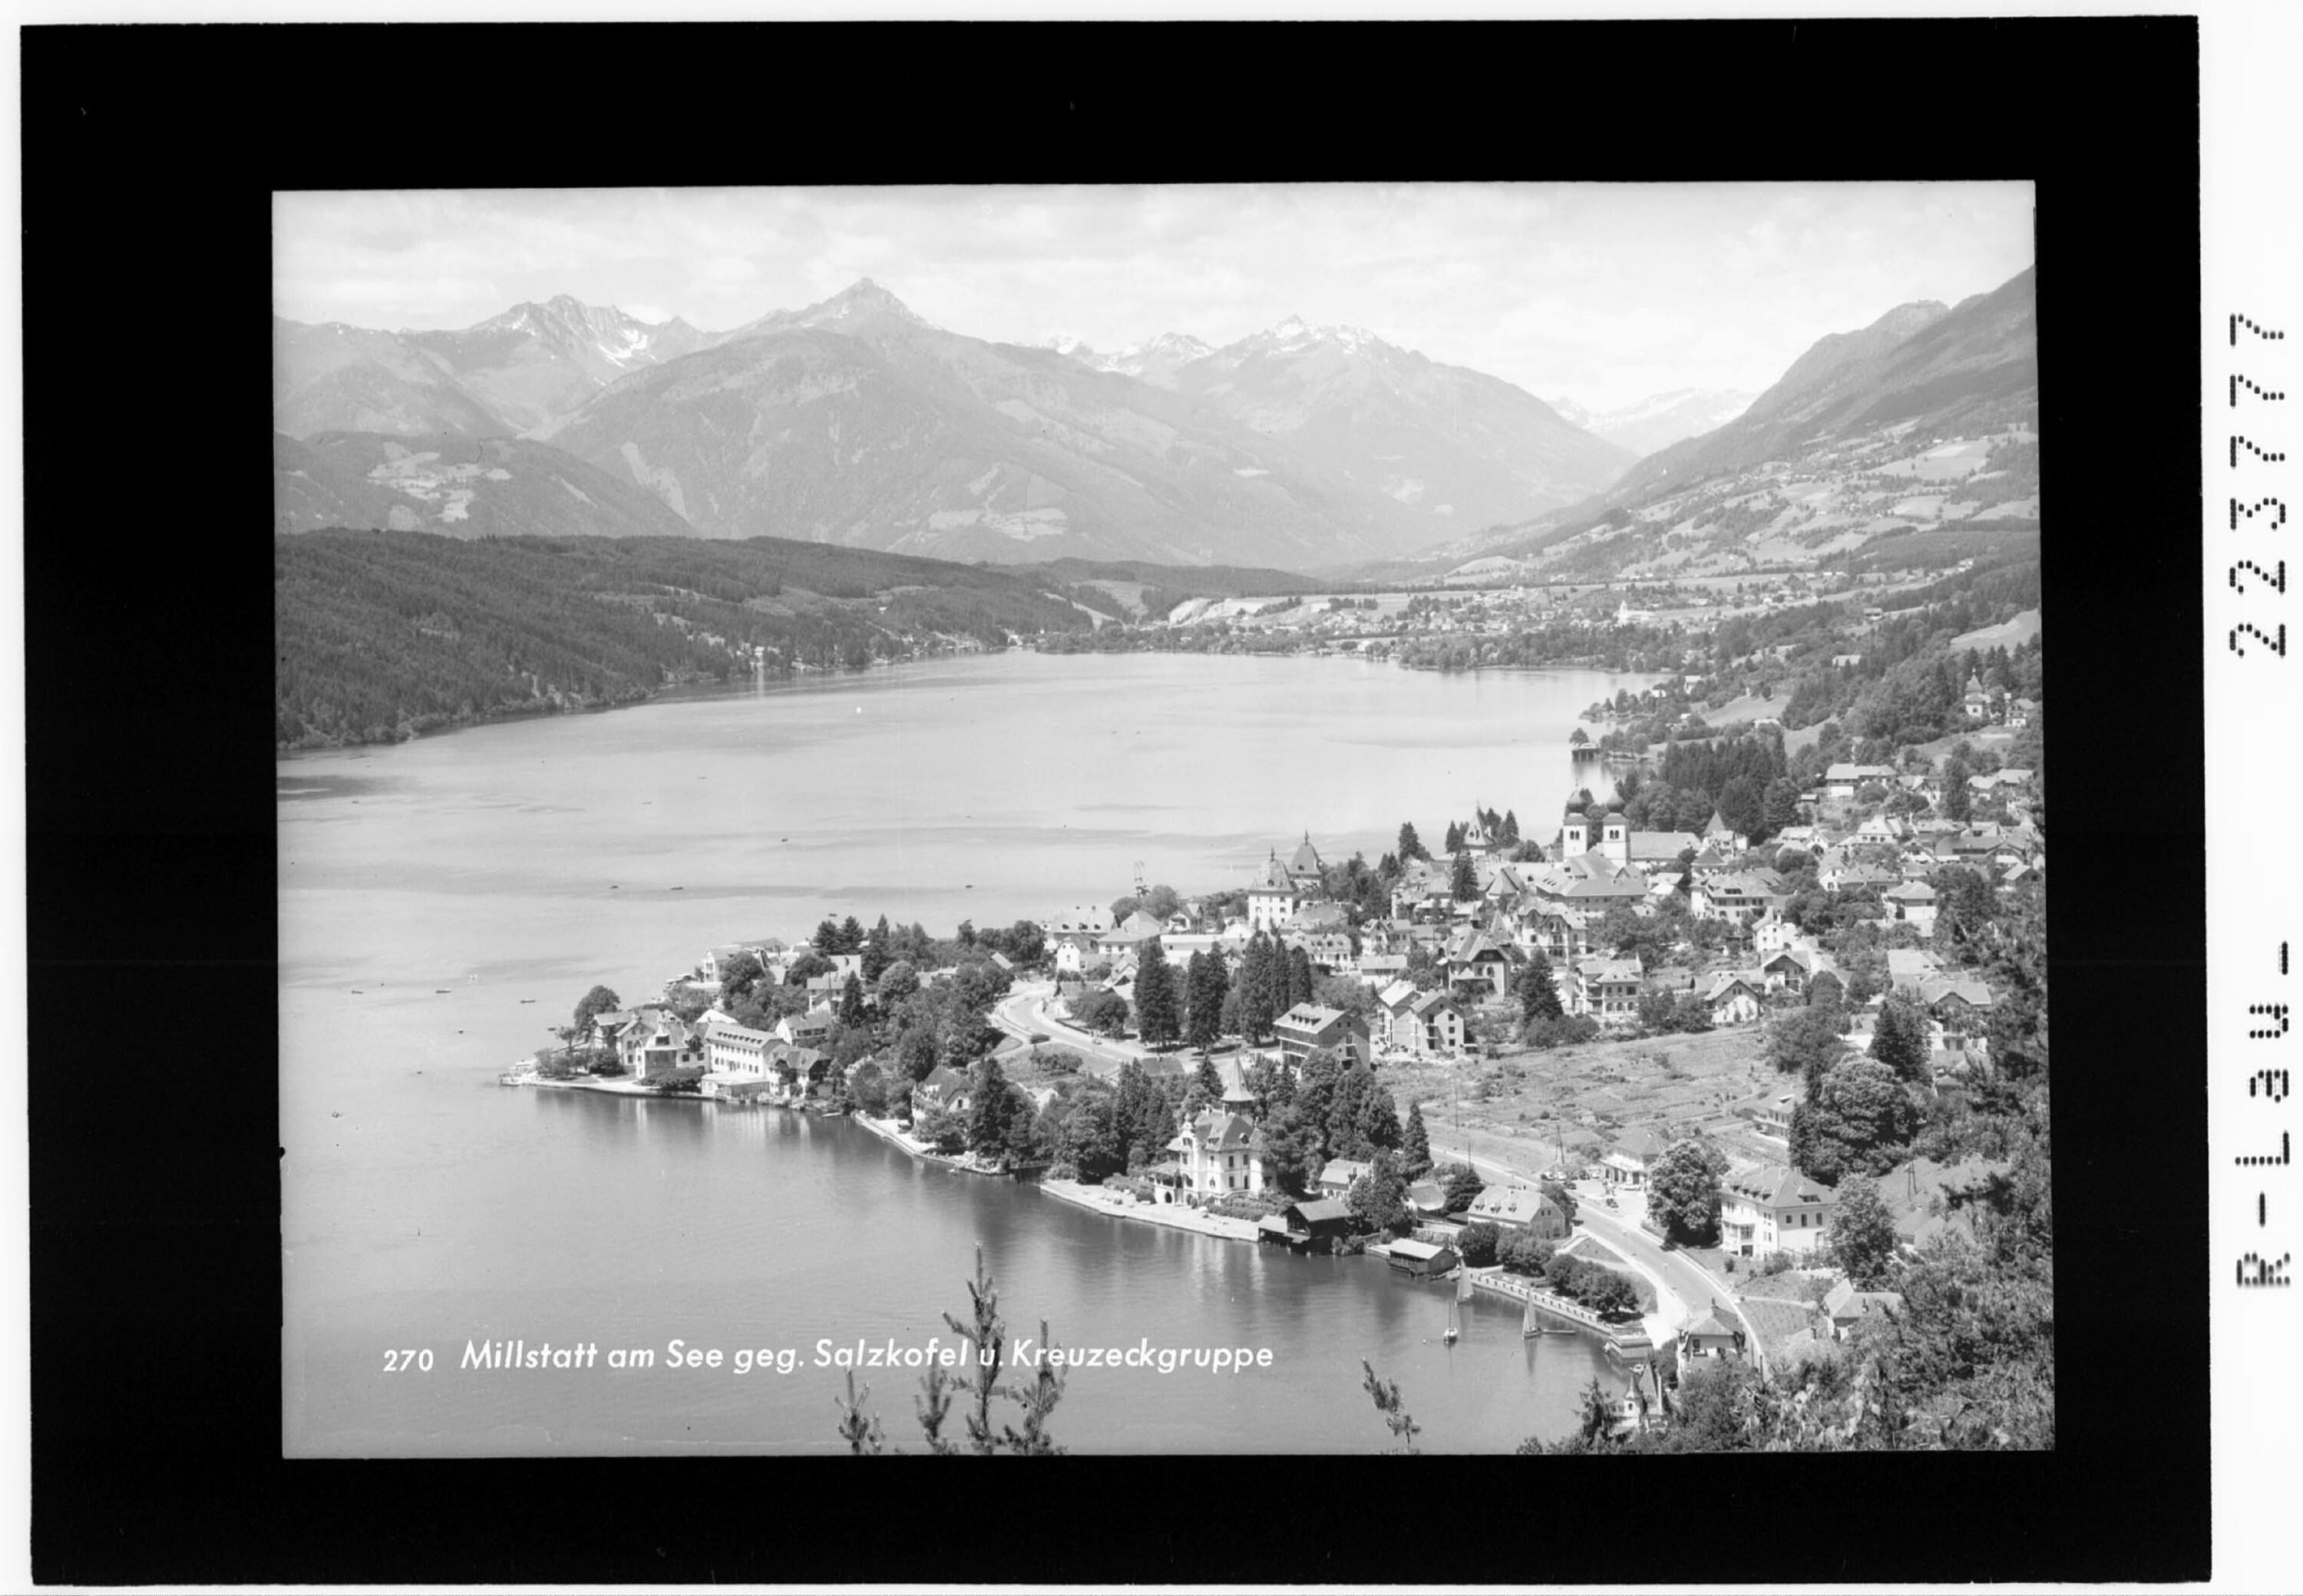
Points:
(1256, 818)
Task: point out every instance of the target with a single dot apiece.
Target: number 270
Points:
(400, 1361)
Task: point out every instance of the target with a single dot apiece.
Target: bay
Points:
(443, 902)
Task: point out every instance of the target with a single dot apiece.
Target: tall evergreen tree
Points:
(1416, 1146)
(878, 952)
(1956, 802)
(1411, 846)
(1454, 839)
(1317, 1082)
(1207, 987)
(1778, 805)
(851, 935)
(1740, 806)
(1345, 1137)
(1140, 1115)
(990, 1106)
(1538, 994)
(1466, 884)
(851, 1000)
(1510, 833)
(1300, 983)
(1157, 1020)
(1264, 979)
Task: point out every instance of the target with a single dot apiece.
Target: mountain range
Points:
(856, 421)
(1972, 364)
(510, 374)
(1821, 461)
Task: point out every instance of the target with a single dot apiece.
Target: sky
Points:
(1603, 294)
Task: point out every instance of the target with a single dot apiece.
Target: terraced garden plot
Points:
(1522, 1122)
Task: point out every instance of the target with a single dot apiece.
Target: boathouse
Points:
(1313, 1226)
(1422, 1259)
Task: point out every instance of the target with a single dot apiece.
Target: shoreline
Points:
(676, 692)
(1174, 1216)
(885, 1129)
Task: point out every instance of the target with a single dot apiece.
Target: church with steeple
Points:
(1305, 870)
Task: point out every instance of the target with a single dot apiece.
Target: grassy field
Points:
(2022, 628)
(1522, 1109)
(1747, 707)
(1943, 462)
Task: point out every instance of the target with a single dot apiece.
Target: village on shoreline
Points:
(1232, 1063)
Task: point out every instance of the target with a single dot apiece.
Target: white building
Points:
(1772, 1208)
(1217, 1154)
(1272, 898)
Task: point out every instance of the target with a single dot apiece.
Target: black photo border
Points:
(149, 157)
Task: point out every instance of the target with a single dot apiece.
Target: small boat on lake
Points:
(1454, 1323)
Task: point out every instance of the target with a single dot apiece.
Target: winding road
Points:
(1685, 1288)
(1023, 1015)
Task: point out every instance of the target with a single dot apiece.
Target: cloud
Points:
(1621, 290)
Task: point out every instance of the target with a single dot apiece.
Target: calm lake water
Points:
(424, 1207)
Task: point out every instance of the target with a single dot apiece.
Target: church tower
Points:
(1575, 836)
(1615, 839)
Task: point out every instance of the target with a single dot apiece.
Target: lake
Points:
(443, 902)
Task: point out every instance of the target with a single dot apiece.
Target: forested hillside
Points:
(383, 635)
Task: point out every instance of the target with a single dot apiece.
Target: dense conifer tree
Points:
(1538, 994)
(1213, 985)
(1299, 976)
(1416, 1146)
(1264, 977)
(1157, 1020)
(878, 952)
(1379, 1114)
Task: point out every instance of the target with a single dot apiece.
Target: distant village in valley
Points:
(1774, 1019)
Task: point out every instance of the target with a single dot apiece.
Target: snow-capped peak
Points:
(1295, 333)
